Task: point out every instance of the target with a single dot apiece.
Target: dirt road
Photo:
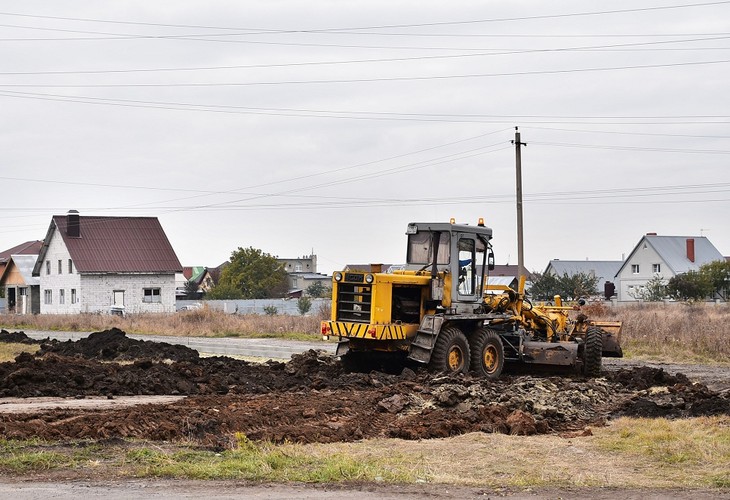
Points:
(223, 346)
(224, 490)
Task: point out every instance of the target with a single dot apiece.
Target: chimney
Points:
(691, 249)
(73, 225)
(651, 234)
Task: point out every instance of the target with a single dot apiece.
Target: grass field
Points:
(628, 453)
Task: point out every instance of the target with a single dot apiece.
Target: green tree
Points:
(691, 285)
(304, 304)
(223, 291)
(718, 273)
(654, 290)
(544, 286)
(569, 287)
(318, 290)
(251, 274)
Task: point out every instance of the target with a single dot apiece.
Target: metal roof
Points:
(115, 245)
(24, 264)
(604, 270)
(27, 248)
(501, 280)
(673, 250)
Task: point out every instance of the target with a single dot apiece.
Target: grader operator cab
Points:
(441, 311)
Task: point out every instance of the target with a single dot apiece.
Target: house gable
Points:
(113, 245)
(664, 256)
(89, 264)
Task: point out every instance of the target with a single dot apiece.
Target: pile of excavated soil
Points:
(114, 345)
(312, 399)
(18, 338)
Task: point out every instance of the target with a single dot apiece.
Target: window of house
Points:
(48, 296)
(70, 266)
(60, 267)
(152, 295)
(656, 268)
(74, 299)
(48, 267)
(634, 268)
(62, 296)
(298, 268)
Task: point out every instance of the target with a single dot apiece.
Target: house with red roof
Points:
(90, 264)
(27, 248)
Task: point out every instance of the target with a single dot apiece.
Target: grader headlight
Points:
(338, 277)
(369, 278)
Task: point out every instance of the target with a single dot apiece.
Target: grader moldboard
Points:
(439, 310)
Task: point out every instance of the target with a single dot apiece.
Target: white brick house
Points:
(665, 257)
(91, 264)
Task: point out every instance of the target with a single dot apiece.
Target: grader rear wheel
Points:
(592, 352)
(487, 353)
(451, 352)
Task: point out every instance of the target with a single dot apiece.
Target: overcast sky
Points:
(327, 126)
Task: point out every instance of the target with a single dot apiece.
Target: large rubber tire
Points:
(451, 352)
(592, 352)
(487, 353)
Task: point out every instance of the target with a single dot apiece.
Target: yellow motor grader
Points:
(439, 310)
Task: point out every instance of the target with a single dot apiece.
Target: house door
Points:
(118, 298)
(23, 302)
(11, 300)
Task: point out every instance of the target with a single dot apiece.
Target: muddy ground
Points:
(311, 398)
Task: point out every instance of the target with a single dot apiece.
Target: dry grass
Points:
(694, 333)
(643, 454)
(203, 322)
(629, 453)
(9, 352)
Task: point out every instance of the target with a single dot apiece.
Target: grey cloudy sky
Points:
(329, 125)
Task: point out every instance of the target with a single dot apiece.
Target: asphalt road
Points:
(225, 346)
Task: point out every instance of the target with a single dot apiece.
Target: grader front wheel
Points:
(592, 352)
(451, 352)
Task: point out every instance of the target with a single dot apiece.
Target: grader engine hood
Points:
(376, 306)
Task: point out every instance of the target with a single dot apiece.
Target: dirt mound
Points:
(312, 399)
(18, 338)
(114, 345)
(644, 377)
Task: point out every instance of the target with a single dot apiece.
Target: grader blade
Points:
(611, 331)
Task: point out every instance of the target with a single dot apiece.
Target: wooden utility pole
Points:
(520, 244)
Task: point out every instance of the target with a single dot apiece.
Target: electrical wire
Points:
(386, 26)
(497, 52)
(366, 80)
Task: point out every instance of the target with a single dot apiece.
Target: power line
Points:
(613, 132)
(365, 80)
(497, 52)
(632, 148)
(384, 26)
(370, 115)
